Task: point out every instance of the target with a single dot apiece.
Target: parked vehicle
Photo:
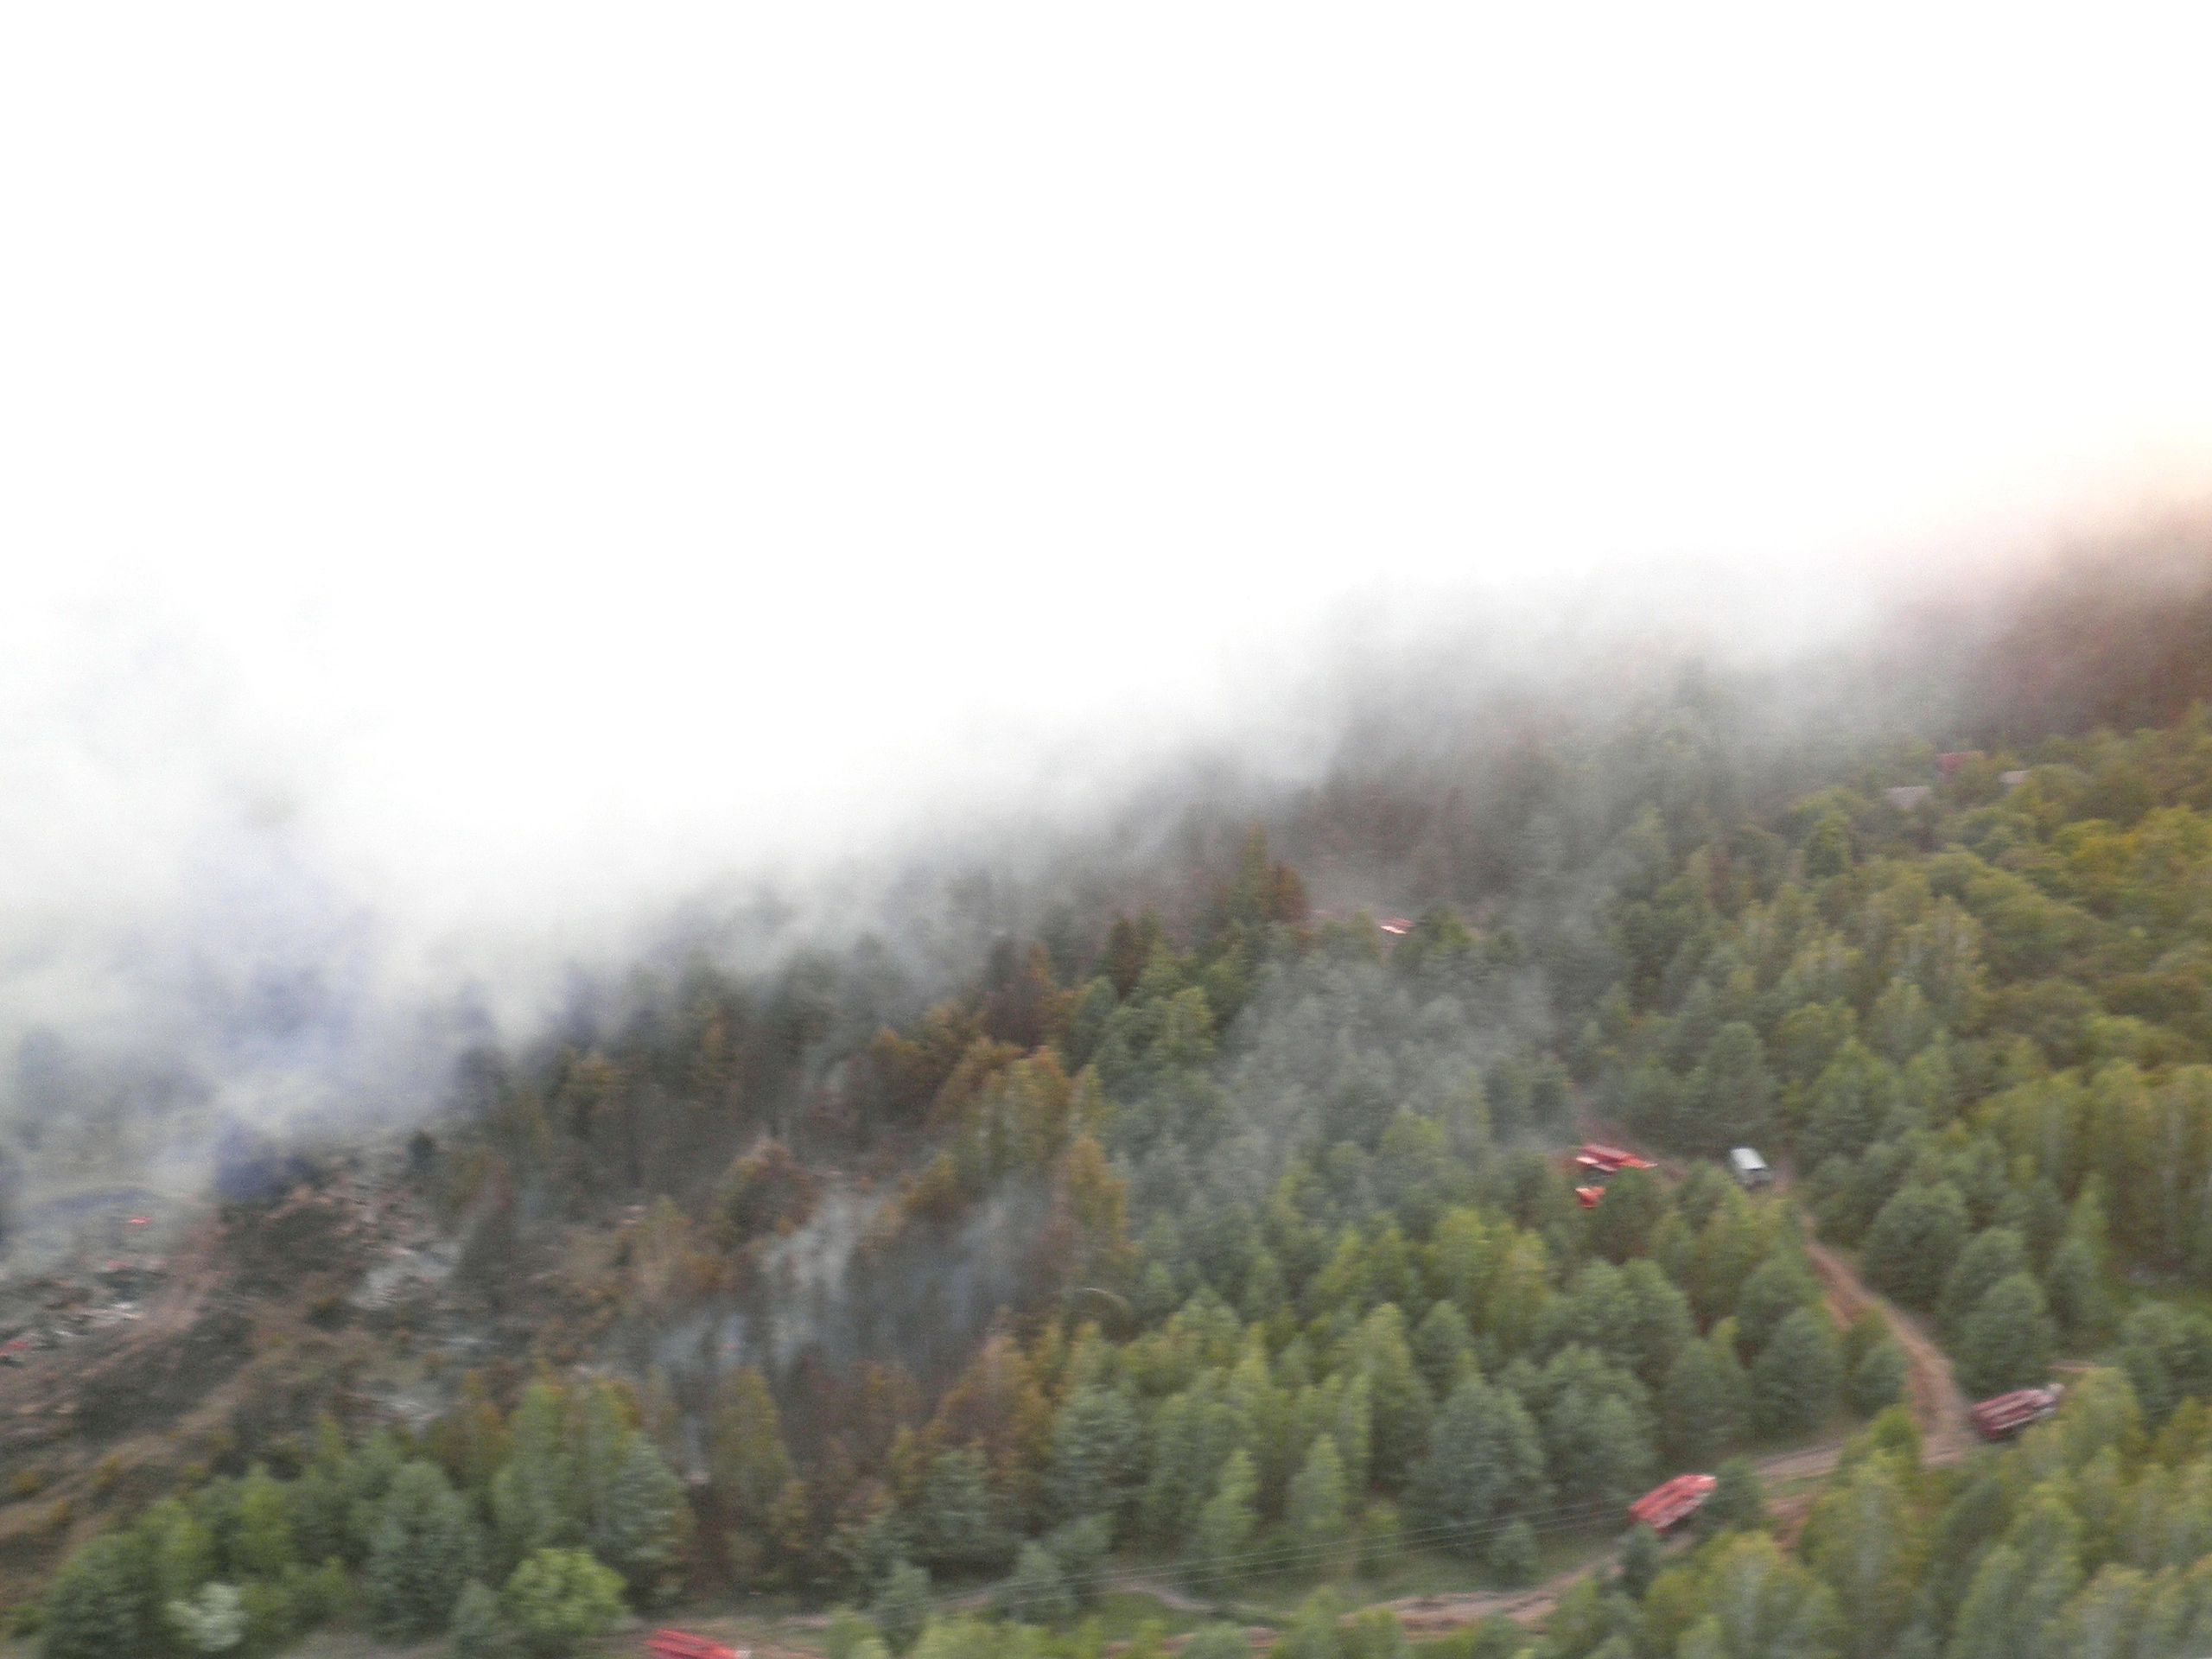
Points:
(2008, 1414)
(1667, 1506)
(1608, 1160)
(682, 1644)
(1751, 1170)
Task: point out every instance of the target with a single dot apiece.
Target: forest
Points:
(1223, 1244)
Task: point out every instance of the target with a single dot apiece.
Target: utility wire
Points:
(1554, 1518)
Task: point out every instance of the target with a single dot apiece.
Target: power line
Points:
(1554, 1518)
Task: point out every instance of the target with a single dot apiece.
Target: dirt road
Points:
(1946, 1434)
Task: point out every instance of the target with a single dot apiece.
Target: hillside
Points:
(1210, 1239)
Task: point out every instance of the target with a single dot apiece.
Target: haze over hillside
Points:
(861, 826)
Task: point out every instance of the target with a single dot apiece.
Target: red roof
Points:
(2010, 1413)
(1674, 1502)
(682, 1644)
(1609, 1160)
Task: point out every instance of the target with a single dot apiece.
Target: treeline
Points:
(529, 1530)
(1976, 1016)
(2092, 1538)
(1281, 1294)
(1286, 1295)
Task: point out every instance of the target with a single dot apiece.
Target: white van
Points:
(1750, 1168)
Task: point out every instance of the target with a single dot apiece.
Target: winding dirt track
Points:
(1946, 1434)
(1938, 1406)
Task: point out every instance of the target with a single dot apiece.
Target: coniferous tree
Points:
(1994, 1253)
(1642, 1556)
(1094, 1458)
(1914, 1240)
(1398, 1399)
(480, 1630)
(1514, 1556)
(902, 1605)
(2006, 1342)
(214, 1620)
(96, 1607)
(1738, 1499)
(1794, 1384)
(1224, 1529)
(645, 1522)
(1317, 1524)
(749, 1464)
(1702, 1409)
(1484, 1463)
(1037, 1592)
(426, 1549)
(955, 1527)
(537, 1497)
(1217, 1640)
(1879, 1379)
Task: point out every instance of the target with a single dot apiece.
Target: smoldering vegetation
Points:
(1468, 762)
(1214, 1033)
(880, 1199)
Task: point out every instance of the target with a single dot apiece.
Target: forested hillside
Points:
(1974, 1010)
(1212, 1237)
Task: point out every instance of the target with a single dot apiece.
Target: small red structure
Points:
(1396, 924)
(2008, 1414)
(1587, 1197)
(1668, 1506)
(682, 1644)
(1608, 1160)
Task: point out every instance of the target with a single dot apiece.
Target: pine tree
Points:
(2006, 1342)
(1224, 1529)
(480, 1630)
(902, 1605)
(1738, 1499)
(1397, 1397)
(1037, 1592)
(955, 1527)
(1777, 1288)
(183, 1551)
(1316, 1523)
(1095, 1444)
(1444, 1346)
(1514, 1557)
(1642, 1556)
(645, 1522)
(1864, 1538)
(1916, 1238)
(425, 1550)
(537, 1498)
(1082, 1548)
(1995, 1253)
(95, 1608)
(2078, 1296)
(260, 1543)
(1879, 1379)
(1793, 1383)
(603, 1434)
(1702, 1409)
(1484, 1461)
(749, 1464)
(1217, 1642)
